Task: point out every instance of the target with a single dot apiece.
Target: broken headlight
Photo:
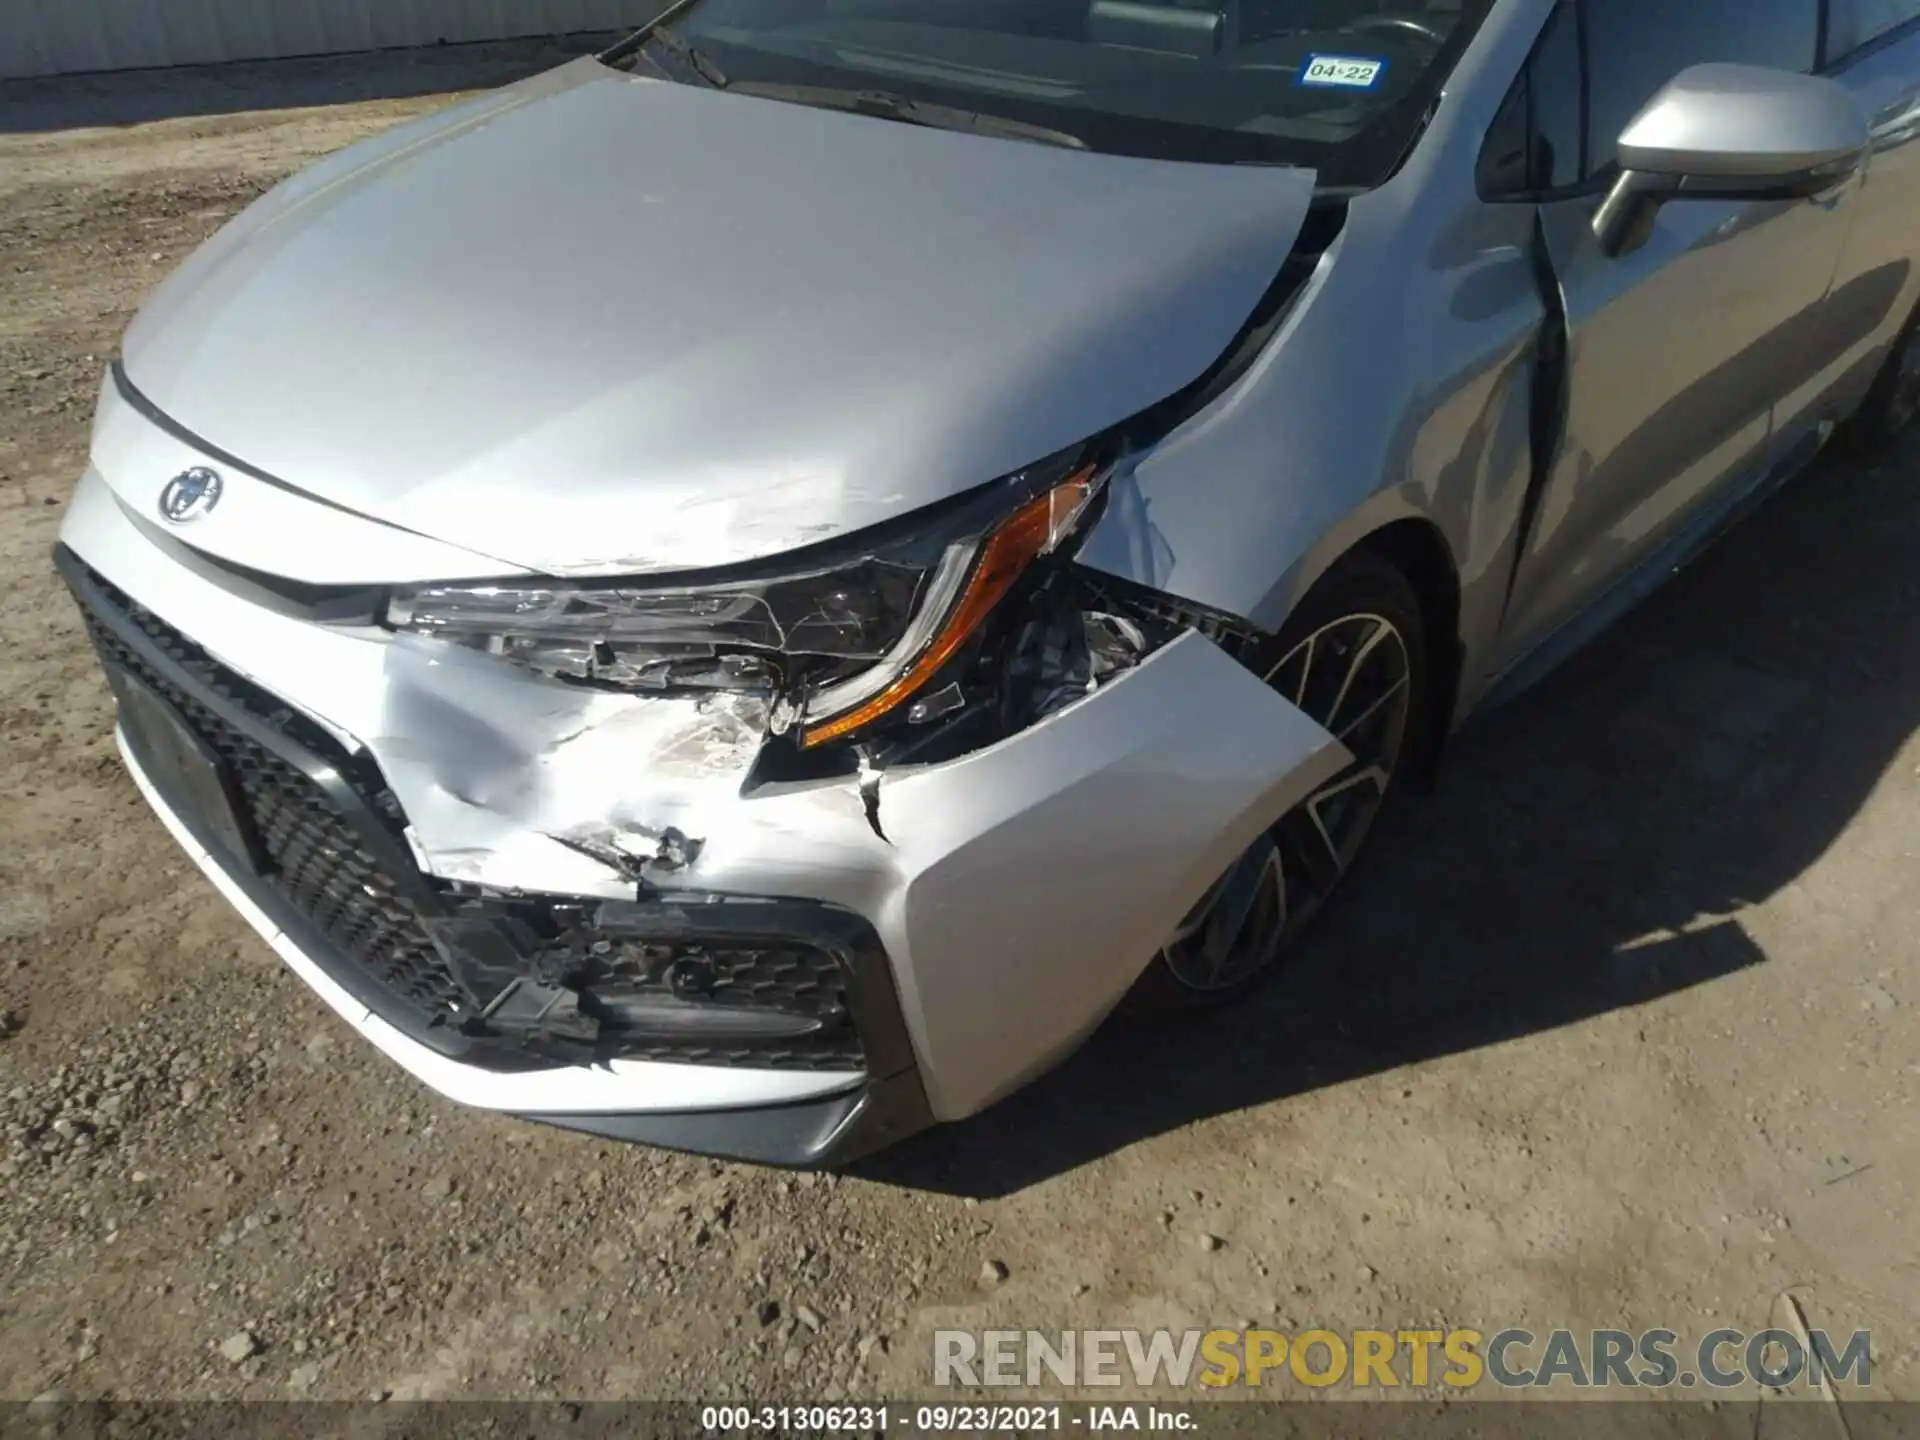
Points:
(838, 644)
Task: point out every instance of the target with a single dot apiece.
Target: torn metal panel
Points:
(1022, 889)
(635, 849)
(519, 783)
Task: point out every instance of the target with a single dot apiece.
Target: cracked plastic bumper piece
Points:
(452, 852)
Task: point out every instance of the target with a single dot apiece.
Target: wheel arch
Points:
(1407, 559)
(1417, 549)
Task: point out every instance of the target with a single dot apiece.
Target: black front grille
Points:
(335, 854)
(743, 974)
(315, 859)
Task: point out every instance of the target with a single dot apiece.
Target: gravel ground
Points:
(1618, 1032)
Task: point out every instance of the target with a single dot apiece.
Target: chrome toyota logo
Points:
(190, 494)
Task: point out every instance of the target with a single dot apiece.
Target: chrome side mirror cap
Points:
(1731, 132)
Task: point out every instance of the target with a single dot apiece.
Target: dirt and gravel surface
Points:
(1621, 1032)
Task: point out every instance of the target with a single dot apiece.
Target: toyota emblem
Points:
(190, 495)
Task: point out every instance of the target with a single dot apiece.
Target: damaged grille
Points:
(519, 999)
(600, 986)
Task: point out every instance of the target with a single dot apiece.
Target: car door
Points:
(1691, 359)
(1873, 48)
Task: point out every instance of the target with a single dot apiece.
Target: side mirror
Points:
(1731, 132)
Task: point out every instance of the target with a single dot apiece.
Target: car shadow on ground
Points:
(133, 97)
(1588, 848)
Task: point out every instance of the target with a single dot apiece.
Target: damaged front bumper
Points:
(567, 904)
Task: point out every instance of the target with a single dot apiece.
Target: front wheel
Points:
(1353, 659)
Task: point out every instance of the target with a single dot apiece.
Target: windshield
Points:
(1342, 86)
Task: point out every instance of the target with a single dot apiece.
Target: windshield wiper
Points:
(672, 41)
(885, 105)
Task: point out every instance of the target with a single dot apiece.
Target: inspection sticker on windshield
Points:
(1343, 72)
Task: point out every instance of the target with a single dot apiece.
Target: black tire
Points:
(1340, 611)
(1893, 405)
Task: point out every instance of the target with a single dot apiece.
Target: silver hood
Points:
(597, 323)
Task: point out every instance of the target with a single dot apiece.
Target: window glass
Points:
(1861, 22)
(1343, 86)
(1555, 85)
(1535, 143)
(1636, 46)
(1504, 160)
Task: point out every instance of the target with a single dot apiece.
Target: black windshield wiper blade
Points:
(671, 40)
(978, 122)
(885, 105)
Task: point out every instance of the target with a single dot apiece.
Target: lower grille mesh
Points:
(317, 861)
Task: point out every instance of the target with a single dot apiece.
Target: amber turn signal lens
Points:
(1030, 532)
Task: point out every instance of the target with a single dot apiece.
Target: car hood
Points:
(595, 323)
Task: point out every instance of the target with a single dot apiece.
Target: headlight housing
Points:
(839, 639)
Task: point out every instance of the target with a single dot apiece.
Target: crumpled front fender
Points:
(1042, 877)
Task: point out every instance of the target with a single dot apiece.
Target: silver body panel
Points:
(596, 325)
(1879, 257)
(1665, 407)
(1743, 120)
(1417, 338)
(695, 328)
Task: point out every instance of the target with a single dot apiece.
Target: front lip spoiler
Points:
(824, 1134)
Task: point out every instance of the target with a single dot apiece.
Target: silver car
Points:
(744, 593)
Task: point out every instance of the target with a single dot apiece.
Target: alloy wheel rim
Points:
(1353, 677)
